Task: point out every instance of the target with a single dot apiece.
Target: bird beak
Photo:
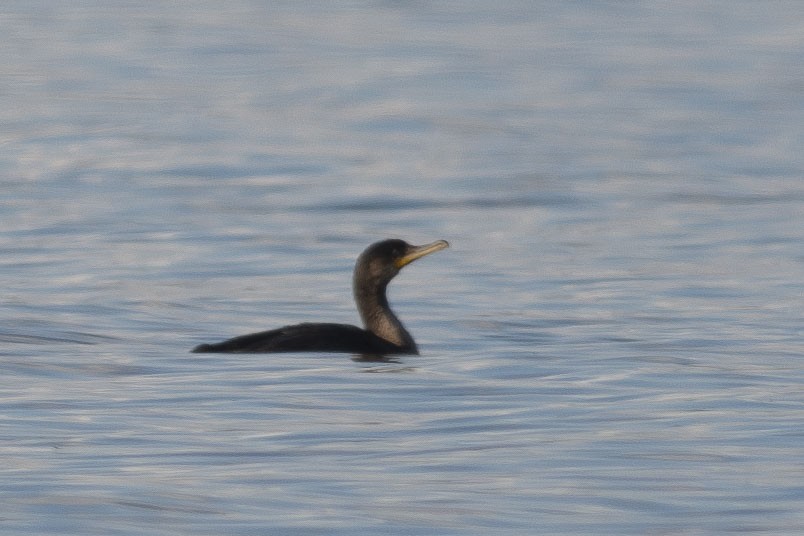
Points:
(415, 252)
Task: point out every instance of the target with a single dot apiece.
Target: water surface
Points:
(612, 344)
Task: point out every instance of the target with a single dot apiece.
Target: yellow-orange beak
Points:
(416, 252)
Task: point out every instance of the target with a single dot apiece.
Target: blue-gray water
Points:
(612, 345)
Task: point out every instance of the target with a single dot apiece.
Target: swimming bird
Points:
(383, 333)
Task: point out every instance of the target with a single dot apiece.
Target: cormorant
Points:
(384, 333)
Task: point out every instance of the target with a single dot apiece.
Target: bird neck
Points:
(379, 319)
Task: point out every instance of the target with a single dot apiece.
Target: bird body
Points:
(383, 333)
(306, 337)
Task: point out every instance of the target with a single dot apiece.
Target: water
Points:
(612, 345)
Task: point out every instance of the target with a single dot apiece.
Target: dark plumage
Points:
(383, 333)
